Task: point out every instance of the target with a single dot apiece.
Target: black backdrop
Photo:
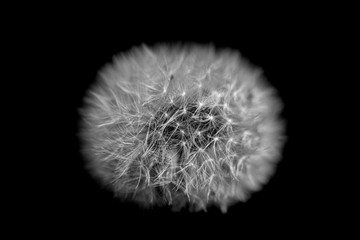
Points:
(74, 54)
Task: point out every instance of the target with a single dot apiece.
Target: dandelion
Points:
(171, 125)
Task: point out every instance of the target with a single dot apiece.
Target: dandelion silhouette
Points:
(170, 125)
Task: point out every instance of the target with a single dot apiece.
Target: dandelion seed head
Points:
(168, 125)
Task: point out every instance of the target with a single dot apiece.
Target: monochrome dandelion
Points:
(178, 124)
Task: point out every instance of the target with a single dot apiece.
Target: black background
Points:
(75, 51)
